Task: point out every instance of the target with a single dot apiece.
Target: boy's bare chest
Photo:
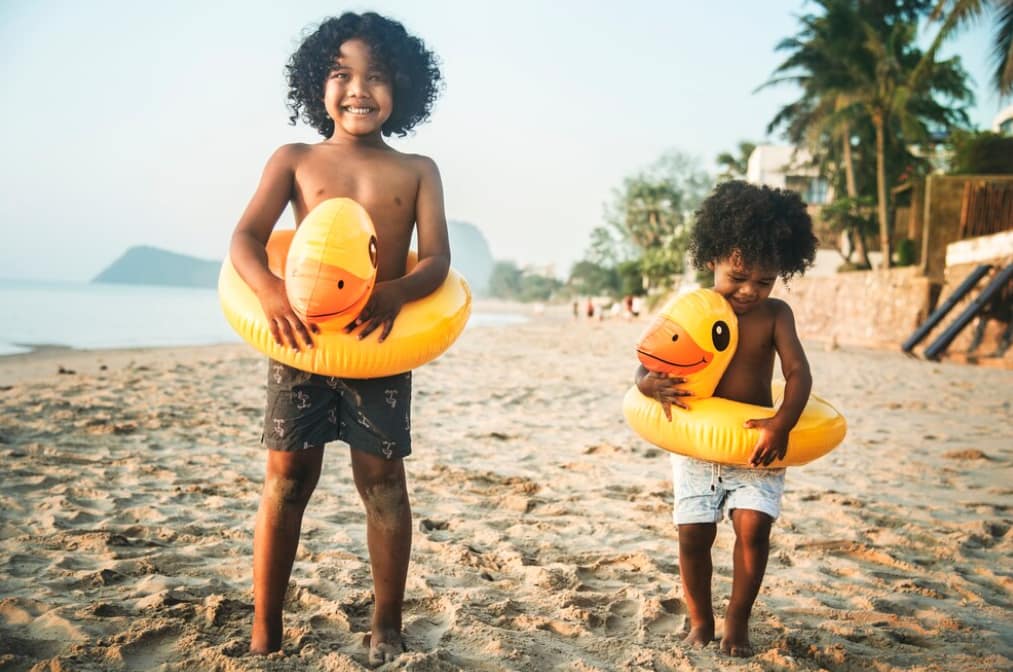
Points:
(386, 188)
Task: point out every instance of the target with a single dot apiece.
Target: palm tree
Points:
(735, 167)
(954, 14)
(899, 95)
(820, 61)
(858, 61)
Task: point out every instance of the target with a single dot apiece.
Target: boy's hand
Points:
(772, 444)
(665, 390)
(382, 309)
(283, 321)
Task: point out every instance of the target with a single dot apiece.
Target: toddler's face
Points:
(357, 95)
(745, 286)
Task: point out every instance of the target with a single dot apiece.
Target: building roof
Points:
(769, 164)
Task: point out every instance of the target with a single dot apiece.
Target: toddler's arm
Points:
(773, 442)
(662, 388)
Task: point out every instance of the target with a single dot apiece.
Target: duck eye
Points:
(341, 284)
(372, 250)
(720, 335)
(675, 337)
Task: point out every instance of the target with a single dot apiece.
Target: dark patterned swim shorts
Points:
(306, 410)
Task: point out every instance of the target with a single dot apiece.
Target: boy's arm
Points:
(662, 388)
(773, 443)
(248, 248)
(433, 265)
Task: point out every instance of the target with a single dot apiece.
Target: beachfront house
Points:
(787, 167)
(1003, 122)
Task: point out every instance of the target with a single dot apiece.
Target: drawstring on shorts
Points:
(715, 474)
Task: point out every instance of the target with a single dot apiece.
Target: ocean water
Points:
(83, 315)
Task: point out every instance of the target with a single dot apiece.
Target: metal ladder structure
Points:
(995, 285)
(944, 308)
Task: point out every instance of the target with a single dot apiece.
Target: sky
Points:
(140, 123)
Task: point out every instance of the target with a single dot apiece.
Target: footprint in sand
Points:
(623, 617)
(669, 619)
(151, 649)
(429, 622)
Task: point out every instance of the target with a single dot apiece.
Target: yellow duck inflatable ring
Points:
(329, 267)
(695, 336)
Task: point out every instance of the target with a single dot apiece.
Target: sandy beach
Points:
(543, 531)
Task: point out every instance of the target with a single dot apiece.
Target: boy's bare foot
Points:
(384, 646)
(700, 636)
(736, 638)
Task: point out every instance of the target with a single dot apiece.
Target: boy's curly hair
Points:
(413, 70)
(768, 227)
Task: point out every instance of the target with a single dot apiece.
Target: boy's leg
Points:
(381, 485)
(288, 484)
(752, 545)
(695, 568)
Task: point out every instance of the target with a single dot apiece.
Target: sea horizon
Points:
(40, 314)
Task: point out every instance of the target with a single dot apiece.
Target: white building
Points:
(786, 167)
(1003, 122)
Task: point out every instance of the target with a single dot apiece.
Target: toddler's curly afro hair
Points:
(412, 68)
(767, 227)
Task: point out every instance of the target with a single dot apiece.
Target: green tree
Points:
(858, 62)
(955, 14)
(593, 279)
(982, 153)
(653, 209)
(734, 167)
(505, 280)
(536, 287)
(824, 116)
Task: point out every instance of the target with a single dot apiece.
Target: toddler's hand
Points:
(283, 321)
(772, 444)
(665, 390)
(382, 309)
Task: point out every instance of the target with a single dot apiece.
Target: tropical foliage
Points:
(869, 94)
(508, 281)
(643, 242)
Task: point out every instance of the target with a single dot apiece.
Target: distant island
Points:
(145, 265)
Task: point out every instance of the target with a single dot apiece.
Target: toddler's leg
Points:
(288, 484)
(381, 484)
(752, 544)
(695, 541)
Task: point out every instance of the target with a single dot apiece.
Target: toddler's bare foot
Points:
(736, 639)
(700, 636)
(384, 646)
(263, 641)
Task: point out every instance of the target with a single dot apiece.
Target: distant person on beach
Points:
(749, 236)
(356, 79)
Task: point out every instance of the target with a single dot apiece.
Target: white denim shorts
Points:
(703, 490)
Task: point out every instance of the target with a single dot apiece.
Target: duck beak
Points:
(669, 348)
(328, 292)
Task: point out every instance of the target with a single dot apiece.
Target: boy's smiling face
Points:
(744, 285)
(358, 96)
